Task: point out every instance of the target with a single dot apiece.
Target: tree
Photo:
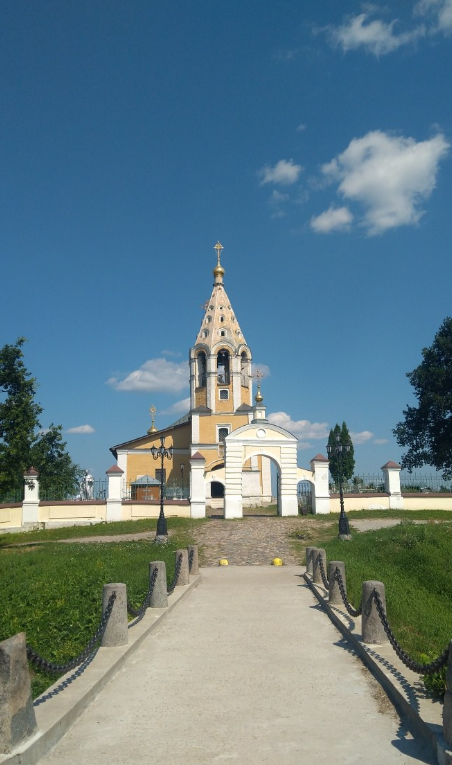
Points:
(23, 443)
(427, 428)
(341, 466)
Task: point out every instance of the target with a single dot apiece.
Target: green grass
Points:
(53, 591)
(95, 530)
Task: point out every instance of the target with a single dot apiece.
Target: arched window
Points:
(202, 367)
(223, 375)
(244, 369)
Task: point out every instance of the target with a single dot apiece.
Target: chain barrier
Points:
(191, 556)
(326, 583)
(147, 598)
(60, 669)
(421, 669)
(352, 611)
(173, 584)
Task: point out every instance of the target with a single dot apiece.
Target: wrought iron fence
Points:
(361, 484)
(304, 496)
(61, 492)
(414, 482)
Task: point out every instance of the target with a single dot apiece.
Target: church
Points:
(223, 448)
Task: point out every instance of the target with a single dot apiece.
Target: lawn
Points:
(53, 590)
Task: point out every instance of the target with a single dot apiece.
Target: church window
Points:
(222, 333)
(224, 394)
(244, 369)
(202, 366)
(222, 319)
(222, 433)
(209, 319)
(205, 333)
(237, 332)
(223, 367)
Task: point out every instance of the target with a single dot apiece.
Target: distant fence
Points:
(409, 482)
(61, 492)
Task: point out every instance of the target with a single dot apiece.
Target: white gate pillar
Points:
(233, 503)
(197, 488)
(114, 499)
(320, 469)
(391, 472)
(30, 504)
(288, 499)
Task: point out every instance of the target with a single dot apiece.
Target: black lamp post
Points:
(161, 536)
(335, 450)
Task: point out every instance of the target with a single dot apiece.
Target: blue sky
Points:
(312, 139)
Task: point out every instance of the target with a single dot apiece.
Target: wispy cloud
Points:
(381, 441)
(285, 172)
(154, 375)
(81, 429)
(333, 219)
(264, 370)
(389, 176)
(362, 437)
(303, 429)
(180, 407)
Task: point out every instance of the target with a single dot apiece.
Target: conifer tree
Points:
(343, 465)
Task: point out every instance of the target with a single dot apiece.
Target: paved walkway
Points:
(246, 669)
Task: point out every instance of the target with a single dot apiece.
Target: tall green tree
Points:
(341, 465)
(427, 428)
(23, 443)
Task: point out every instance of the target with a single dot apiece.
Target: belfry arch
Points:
(260, 438)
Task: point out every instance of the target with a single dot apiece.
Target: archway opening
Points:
(260, 486)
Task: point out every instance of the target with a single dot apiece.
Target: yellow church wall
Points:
(201, 397)
(179, 438)
(11, 516)
(144, 464)
(208, 425)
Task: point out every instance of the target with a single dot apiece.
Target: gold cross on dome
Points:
(218, 247)
(152, 411)
(258, 375)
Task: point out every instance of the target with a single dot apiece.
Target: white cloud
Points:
(81, 429)
(284, 172)
(390, 176)
(439, 12)
(302, 126)
(362, 437)
(375, 36)
(303, 429)
(155, 374)
(381, 441)
(180, 407)
(333, 219)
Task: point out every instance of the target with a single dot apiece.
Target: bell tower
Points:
(220, 360)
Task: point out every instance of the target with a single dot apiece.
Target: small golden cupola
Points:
(220, 360)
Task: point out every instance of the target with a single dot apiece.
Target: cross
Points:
(258, 374)
(218, 247)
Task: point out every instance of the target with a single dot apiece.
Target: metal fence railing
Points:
(360, 484)
(142, 491)
(12, 497)
(424, 483)
(61, 492)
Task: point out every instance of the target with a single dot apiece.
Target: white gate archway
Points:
(260, 439)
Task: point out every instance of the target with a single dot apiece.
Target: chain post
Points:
(310, 552)
(334, 593)
(193, 562)
(373, 631)
(184, 576)
(116, 631)
(159, 596)
(319, 562)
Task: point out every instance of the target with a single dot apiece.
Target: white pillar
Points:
(320, 469)
(30, 505)
(197, 489)
(114, 499)
(233, 502)
(391, 472)
(288, 480)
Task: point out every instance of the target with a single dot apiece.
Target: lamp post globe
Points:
(162, 453)
(335, 450)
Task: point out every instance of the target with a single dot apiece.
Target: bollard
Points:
(159, 595)
(372, 629)
(319, 552)
(447, 709)
(310, 559)
(17, 715)
(116, 631)
(334, 593)
(193, 552)
(183, 577)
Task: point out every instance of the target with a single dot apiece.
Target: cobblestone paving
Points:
(252, 541)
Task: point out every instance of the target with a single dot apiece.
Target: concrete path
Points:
(247, 669)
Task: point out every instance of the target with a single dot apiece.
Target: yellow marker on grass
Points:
(277, 562)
